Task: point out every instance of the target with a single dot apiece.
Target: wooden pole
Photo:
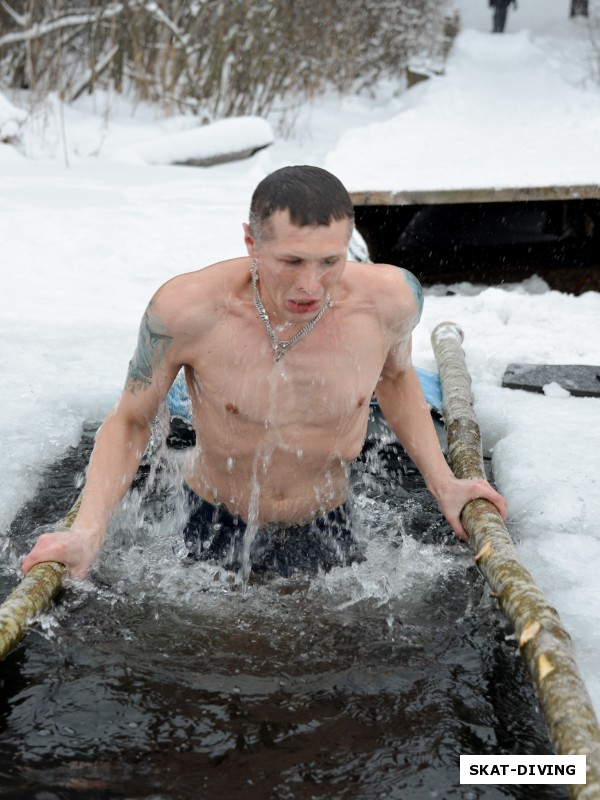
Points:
(544, 644)
(32, 596)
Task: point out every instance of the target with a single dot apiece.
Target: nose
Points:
(308, 282)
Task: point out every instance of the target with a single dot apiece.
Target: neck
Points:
(280, 348)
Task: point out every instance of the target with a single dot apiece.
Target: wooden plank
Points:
(482, 195)
(580, 380)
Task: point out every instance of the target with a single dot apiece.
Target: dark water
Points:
(159, 680)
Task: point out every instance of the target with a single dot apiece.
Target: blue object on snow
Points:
(432, 389)
(180, 405)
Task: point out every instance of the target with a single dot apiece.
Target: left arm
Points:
(404, 406)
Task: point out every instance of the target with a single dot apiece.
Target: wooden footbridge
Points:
(487, 235)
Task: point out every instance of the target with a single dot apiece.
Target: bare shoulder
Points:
(193, 301)
(395, 292)
(181, 312)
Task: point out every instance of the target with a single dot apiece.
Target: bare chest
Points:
(327, 378)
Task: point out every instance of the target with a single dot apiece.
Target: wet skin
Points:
(274, 440)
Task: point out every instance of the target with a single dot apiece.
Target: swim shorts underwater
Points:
(213, 534)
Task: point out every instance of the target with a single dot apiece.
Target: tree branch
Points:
(43, 29)
(93, 73)
(20, 19)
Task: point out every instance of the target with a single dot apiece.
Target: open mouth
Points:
(302, 306)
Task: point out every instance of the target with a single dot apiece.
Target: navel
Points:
(232, 409)
(361, 402)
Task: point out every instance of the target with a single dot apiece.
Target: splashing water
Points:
(159, 678)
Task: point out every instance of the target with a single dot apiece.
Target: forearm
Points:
(116, 456)
(119, 447)
(408, 415)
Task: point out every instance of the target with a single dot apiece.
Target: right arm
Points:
(402, 402)
(120, 445)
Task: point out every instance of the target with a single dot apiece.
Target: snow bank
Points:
(514, 120)
(225, 140)
(11, 120)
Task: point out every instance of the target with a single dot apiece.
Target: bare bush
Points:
(215, 57)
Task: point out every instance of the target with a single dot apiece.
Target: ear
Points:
(250, 242)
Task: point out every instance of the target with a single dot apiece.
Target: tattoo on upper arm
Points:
(153, 340)
(417, 292)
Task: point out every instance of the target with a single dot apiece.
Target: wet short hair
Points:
(311, 195)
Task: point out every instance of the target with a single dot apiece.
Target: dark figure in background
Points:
(500, 13)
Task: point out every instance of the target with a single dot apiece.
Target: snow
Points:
(87, 237)
(476, 129)
(11, 119)
(224, 137)
(554, 389)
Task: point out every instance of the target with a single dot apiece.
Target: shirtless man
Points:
(282, 349)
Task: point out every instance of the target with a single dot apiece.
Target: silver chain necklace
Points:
(281, 348)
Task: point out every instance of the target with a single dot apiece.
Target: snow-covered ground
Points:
(513, 110)
(87, 234)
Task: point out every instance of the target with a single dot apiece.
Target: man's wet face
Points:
(299, 265)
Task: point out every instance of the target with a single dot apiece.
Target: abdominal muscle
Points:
(287, 476)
